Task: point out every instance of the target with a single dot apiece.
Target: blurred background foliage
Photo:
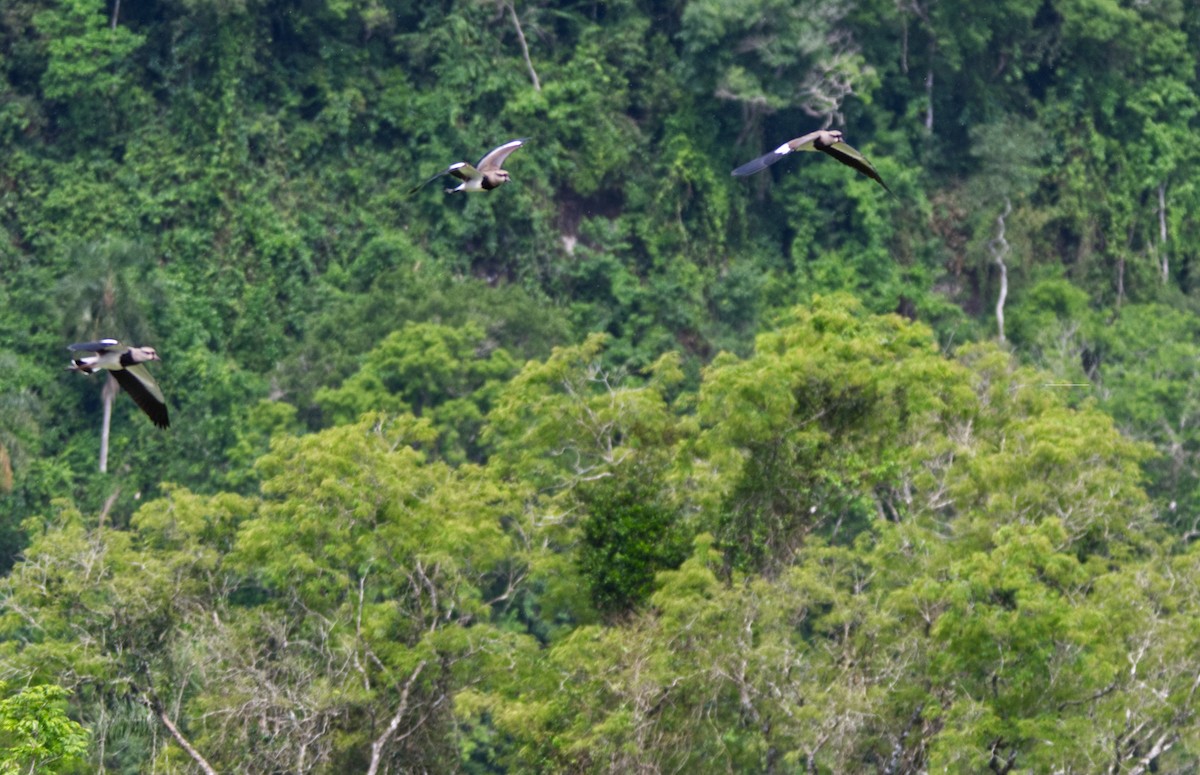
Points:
(643, 390)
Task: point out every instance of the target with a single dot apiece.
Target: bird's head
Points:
(143, 354)
(503, 175)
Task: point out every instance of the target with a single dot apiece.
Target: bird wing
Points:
(801, 143)
(852, 158)
(495, 157)
(804, 142)
(101, 346)
(464, 171)
(144, 391)
(459, 169)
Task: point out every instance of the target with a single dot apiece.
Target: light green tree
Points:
(446, 375)
(35, 733)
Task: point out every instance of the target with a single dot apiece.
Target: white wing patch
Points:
(783, 149)
(509, 144)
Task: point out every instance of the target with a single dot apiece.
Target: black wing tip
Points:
(861, 165)
(879, 180)
(157, 414)
(154, 409)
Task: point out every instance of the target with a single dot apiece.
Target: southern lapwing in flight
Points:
(827, 141)
(484, 176)
(125, 363)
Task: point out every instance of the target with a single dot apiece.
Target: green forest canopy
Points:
(629, 465)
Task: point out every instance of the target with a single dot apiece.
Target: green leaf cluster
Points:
(629, 465)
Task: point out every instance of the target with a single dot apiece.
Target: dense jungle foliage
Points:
(628, 465)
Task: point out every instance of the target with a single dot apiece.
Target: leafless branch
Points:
(533, 76)
(378, 744)
(151, 701)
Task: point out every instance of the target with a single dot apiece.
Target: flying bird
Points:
(829, 141)
(125, 363)
(484, 176)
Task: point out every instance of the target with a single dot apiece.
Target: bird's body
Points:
(827, 141)
(484, 176)
(126, 364)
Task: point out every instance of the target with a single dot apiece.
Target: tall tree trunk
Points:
(107, 394)
(999, 249)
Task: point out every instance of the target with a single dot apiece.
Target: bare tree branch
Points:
(1163, 744)
(394, 724)
(533, 76)
(151, 701)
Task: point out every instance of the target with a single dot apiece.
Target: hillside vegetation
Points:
(628, 465)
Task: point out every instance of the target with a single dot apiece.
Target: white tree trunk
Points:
(107, 394)
(999, 249)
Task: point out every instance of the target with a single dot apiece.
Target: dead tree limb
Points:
(533, 76)
(394, 724)
(151, 701)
